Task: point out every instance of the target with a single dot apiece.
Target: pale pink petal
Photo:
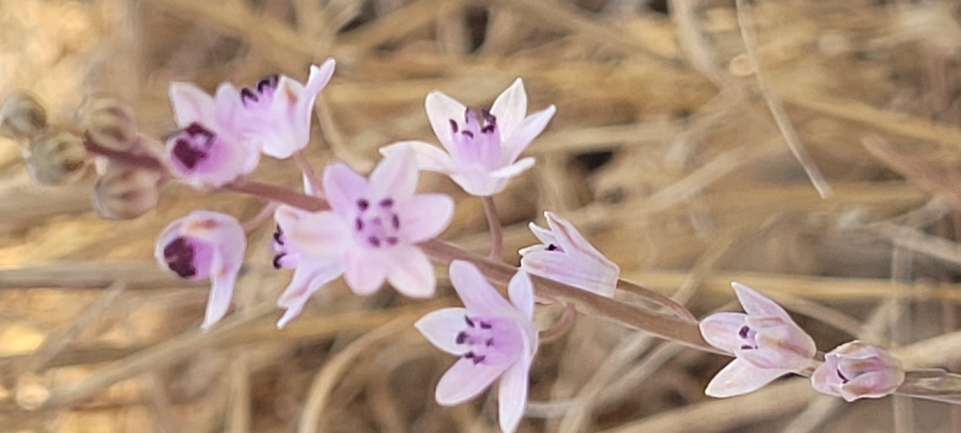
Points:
(721, 330)
(558, 266)
(342, 187)
(309, 276)
(364, 272)
(571, 240)
(411, 272)
(521, 291)
(394, 176)
(477, 184)
(229, 110)
(757, 304)
(441, 328)
(526, 132)
(424, 216)
(221, 292)
(741, 377)
(429, 156)
(465, 380)
(441, 109)
(191, 104)
(512, 394)
(474, 290)
(320, 76)
(321, 234)
(514, 169)
(510, 107)
(545, 236)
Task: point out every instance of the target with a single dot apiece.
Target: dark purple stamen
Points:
(268, 81)
(469, 321)
(489, 342)
(374, 241)
(247, 94)
(363, 204)
(359, 224)
(391, 240)
(189, 150)
(395, 221)
(277, 260)
(746, 347)
(179, 255)
(467, 115)
(842, 377)
(485, 325)
(468, 134)
(453, 125)
(279, 236)
(743, 332)
(490, 121)
(461, 338)
(387, 202)
(551, 247)
(477, 358)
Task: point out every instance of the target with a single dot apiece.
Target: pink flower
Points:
(856, 370)
(766, 342)
(481, 154)
(373, 227)
(205, 245)
(566, 257)
(209, 150)
(278, 110)
(493, 338)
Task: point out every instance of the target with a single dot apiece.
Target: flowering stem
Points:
(142, 161)
(262, 216)
(497, 237)
(657, 298)
(278, 194)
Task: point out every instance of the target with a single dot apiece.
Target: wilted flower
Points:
(766, 342)
(125, 192)
(278, 110)
(22, 115)
(209, 150)
(56, 156)
(372, 228)
(856, 370)
(205, 245)
(108, 123)
(481, 153)
(493, 338)
(566, 257)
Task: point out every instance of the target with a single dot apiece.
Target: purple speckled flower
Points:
(766, 342)
(205, 245)
(493, 338)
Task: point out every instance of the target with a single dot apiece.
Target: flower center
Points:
(748, 335)
(179, 255)
(193, 145)
(491, 341)
(477, 142)
(377, 224)
(264, 90)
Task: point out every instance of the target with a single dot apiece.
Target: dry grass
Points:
(690, 146)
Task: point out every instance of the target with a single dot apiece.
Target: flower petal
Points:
(424, 216)
(411, 272)
(510, 107)
(441, 328)
(441, 109)
(342, 187)
(190, 104)
(757, 304)
(395, 176)
(309, 276)
(721, 330)
(465, 380)
(741, 377)
(574, 243)
(320, 76)
(221, 292)
(544, 235)
(521, 291)
(512, 394)
(364, 271)
(528, 129)
(429, 157)
(229, 109)
(577, 271)
(321, 234)
(474, 290)
(513, 170)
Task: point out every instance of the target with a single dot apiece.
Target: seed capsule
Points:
(125, 192)
(56, 157)
(22, 115)
(108, 123)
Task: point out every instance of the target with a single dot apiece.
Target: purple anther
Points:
(453, 126)
(179, 255)
(387, 202)
(363, 204)
(469, 321)
(277, 260)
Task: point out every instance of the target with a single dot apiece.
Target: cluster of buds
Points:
(54, 155)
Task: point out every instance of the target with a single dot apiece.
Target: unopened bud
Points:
(108, 123)
(125, 192)
(56, 157)
(22, 115)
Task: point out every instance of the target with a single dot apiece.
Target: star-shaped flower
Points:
(481, 152)
(493, 338)
(766, 342)
(205, 245)
(565, 256)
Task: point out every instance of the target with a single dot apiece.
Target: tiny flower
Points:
(205, 245)
(856, 370)
(481, 153)
(566, 257)
(209, 149)
(373, 226)
(493, 338)
(278, 110)
(766, 342)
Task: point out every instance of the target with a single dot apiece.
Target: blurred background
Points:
(807, 148)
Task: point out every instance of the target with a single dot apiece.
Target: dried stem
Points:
(494, 223)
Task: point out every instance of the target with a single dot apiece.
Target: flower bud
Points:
(108, 123)
(22, 115)
(56, 156)
(857, 370)
(125, 192)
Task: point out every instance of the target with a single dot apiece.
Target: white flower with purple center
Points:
(209, 150)
(565, 256)
(766, 342)
(278, 110)
(373, 227)
(493, 338)
(205, 245)
(481, 151)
